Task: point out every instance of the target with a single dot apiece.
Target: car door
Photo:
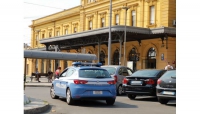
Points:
(64, 81)
(58, 82)
(122, 73)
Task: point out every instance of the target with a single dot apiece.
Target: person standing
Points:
(168, 67)
(57, 72)
(37, 74)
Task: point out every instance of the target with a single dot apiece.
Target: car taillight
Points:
(125, 81)
(115, 77)
(159, 81)
(111, 82)
(149, 81)
(80, 81)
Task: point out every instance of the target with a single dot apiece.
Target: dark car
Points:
(142, 82)
(166, 87)
(118, 73)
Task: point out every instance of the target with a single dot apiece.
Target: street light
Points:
(126, 8)
(109, 39)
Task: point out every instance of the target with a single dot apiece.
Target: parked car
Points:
(166, 87)
(142, 82)
(84, 81)
(118, 73)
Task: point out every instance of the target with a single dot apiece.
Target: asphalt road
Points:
(141, 105)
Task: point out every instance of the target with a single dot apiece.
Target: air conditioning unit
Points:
(174, 22)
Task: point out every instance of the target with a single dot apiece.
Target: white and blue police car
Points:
(84, 81)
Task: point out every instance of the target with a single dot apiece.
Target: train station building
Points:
(143, 34)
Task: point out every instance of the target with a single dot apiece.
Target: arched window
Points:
(151, 58)
(151, 53)
(116, 57)
(102, 57)
(133, 58)
(132, 54)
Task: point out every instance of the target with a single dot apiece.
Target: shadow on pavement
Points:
(146, 98)
(102, 104)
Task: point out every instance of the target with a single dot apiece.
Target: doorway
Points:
(133, 57)
(116, 57)
(151, 59)
(102, 58)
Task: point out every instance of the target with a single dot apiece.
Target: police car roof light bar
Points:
(77, 64)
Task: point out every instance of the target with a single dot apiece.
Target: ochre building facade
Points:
(94, 15)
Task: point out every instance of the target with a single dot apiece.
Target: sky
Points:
(34, 9)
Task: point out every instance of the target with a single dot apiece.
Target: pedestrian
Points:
(50, 75)
(57, 72)
(168, 67)
(37, 75)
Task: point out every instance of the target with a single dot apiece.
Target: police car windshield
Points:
(94, 73)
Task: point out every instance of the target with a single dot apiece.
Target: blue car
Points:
(84, 81)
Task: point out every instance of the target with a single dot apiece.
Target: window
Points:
(152, 53)
(111, 70)
(133, 18)
(70, 72)
(117, 19)
(94, 73)
(116, 57)
(42, 35)
(102, 22)
(129, 71)
(58, 33)
(66, 31)
(75, 29)
(36, 63)
(90, 25)
(49, 34)
(89, 1)
(152, 15)
(36, 40)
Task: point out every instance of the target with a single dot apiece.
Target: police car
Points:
(84, 81)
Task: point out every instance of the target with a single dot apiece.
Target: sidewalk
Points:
(36, 106)
(43, 82)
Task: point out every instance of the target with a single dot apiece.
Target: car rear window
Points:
(94, 73)
(111, 70)
(145, 73)
(168, 74)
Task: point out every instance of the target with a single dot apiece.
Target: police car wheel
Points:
(110, 101)
(69, 98)
(52, 93)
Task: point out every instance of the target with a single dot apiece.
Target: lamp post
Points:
(126, 8)
(109, 39)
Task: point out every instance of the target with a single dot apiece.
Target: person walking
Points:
(57, 72)
(168, 67)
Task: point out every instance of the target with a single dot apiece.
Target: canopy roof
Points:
(59, 55)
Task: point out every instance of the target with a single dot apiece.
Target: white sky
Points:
(34, 9)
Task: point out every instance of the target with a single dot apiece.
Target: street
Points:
(142, 105)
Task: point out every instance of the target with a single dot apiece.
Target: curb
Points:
(37, 85)
(37, 110)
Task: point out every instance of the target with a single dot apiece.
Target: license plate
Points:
(136, 82)
(168, 93)
(97, 92)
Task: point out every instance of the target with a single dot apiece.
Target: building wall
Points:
(79, 17)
